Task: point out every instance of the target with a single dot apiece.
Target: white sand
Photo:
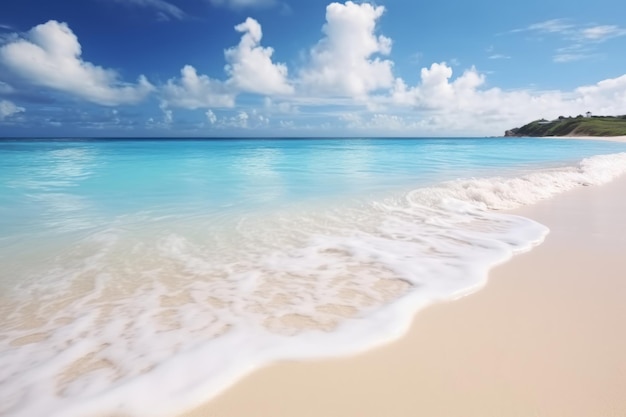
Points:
(608, 138)
(544, 338)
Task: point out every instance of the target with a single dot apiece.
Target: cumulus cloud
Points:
(435, 90)
(193, 91)
(240, 120)
(251, 119)
(347, 69)
(8, 108)
(250, 65)
(461, 103)
(249, 68)
(442, 103)
(344, 62)
(50, 56)
(605, 97)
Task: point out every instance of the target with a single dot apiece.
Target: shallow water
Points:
(140, 277)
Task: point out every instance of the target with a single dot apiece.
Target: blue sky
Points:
(305, 68)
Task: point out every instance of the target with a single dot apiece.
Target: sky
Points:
(292, 68)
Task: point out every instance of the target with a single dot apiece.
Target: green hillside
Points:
(573, 126)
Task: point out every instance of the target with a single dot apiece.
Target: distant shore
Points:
(609, 138)
(543, 338)
(581, 126)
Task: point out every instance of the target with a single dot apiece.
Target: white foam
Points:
(135, 321)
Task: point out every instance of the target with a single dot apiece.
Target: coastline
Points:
(621, 139)
(542, 338)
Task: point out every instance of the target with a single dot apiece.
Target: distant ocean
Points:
(141, 277)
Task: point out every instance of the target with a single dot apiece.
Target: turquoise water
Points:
(76, 184)
(127, 261)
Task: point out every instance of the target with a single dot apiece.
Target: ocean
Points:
(140, 277)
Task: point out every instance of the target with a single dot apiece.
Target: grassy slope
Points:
(594, 126)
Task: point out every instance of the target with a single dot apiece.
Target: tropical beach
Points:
(154, 305)
(542, 338)
(312, 208)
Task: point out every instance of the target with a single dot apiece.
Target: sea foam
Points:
(137, 321)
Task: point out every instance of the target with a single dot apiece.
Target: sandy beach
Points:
(611, 138)
(543, 338)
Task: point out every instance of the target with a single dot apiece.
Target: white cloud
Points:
(165, 10)
(165, 122)
(8, 108)
(582, 39)
(601, 33)
(436, 91)
(574, 52)
(250, 65)
(258, 118)
(550, 26)
(462, 104)
(499, 56)
(193, 91)
(580, 33)
(442, 103)
(343, 63)
(345, 78)
(168, 115)
(606, 97)
(50, 56)
(250, 119)
(240, 120)
(250, 69)
(211, 116)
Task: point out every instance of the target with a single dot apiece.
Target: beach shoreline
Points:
(540, 339)
(347, 308)
(621, 139)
